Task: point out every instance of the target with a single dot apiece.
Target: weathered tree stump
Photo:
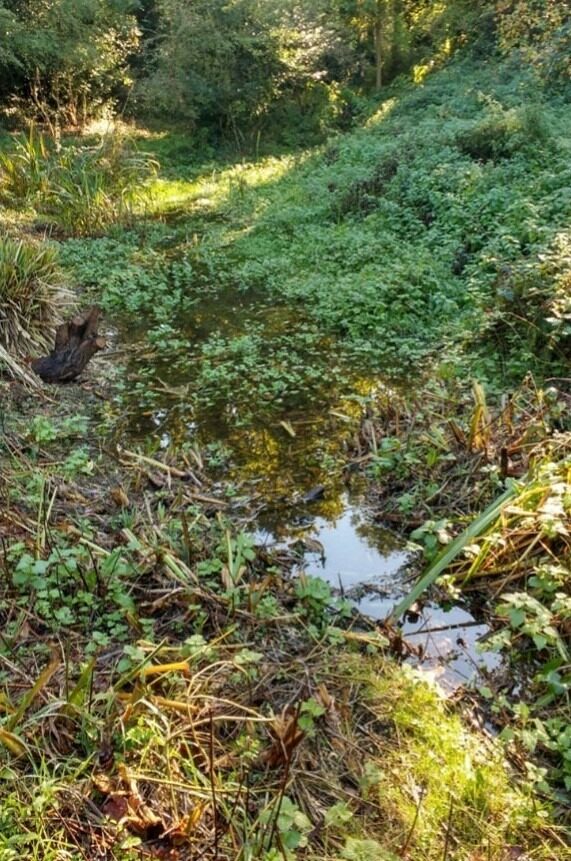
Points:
(76, 343)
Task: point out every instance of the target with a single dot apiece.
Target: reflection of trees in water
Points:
(382, 540)
(275, 452)
(281, 467)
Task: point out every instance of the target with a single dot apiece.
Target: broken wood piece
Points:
(77, 341)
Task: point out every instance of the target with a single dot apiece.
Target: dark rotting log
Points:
(77, 341)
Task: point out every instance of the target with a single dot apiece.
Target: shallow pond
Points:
(273, 408)
(371, 568)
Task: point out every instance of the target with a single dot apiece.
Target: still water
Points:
(369, 566)
(274, 446)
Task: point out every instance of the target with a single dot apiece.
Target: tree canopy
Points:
(232, 66)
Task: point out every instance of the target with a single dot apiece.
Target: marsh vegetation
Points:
(331, 246)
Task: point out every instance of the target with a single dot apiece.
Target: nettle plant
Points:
(67, 589)
(534, 624)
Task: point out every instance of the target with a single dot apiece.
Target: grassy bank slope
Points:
(444, 221)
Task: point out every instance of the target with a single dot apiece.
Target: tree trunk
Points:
(76, 343)
(379, 53)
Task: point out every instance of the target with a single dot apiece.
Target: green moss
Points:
(436, 775)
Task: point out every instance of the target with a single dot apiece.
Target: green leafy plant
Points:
(432, 535)
(309, 712)
(66, 589)
(293, 827)
(315, 596)
(452, 550)
(78, 462)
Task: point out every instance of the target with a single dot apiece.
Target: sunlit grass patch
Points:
(168, 195)
(240, 188)
(204, 750)
(381, 113)
(443, 784)
(80, 189)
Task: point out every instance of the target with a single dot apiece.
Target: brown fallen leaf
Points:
(181, 831)
(119, 497)
(325, 698)
(332, 716)
(286, 737)
(116, 807)
(124, 805)
(156, 480)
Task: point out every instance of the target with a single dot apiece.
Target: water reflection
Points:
(277, 450)
(356, 552)
(450, 641)
(368, 566)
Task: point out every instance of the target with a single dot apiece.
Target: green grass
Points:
(32, 295)
(434, 239)
(436, 777)
(80, 190)
(442, 222)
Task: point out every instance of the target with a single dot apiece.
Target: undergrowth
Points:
(205, 703)
(435, 467)
(401, 238)
(524, 557)
(33, 295)
(78, 189)
(200, 696)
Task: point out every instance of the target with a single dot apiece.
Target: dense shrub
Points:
(291, 70)
(216, 64)
(65, 61)
(502, 131)
(540, 30)
(251, 67)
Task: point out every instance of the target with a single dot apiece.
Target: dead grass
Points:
(446, 453)
(204, 762)
(226, 734)
(32, 298)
